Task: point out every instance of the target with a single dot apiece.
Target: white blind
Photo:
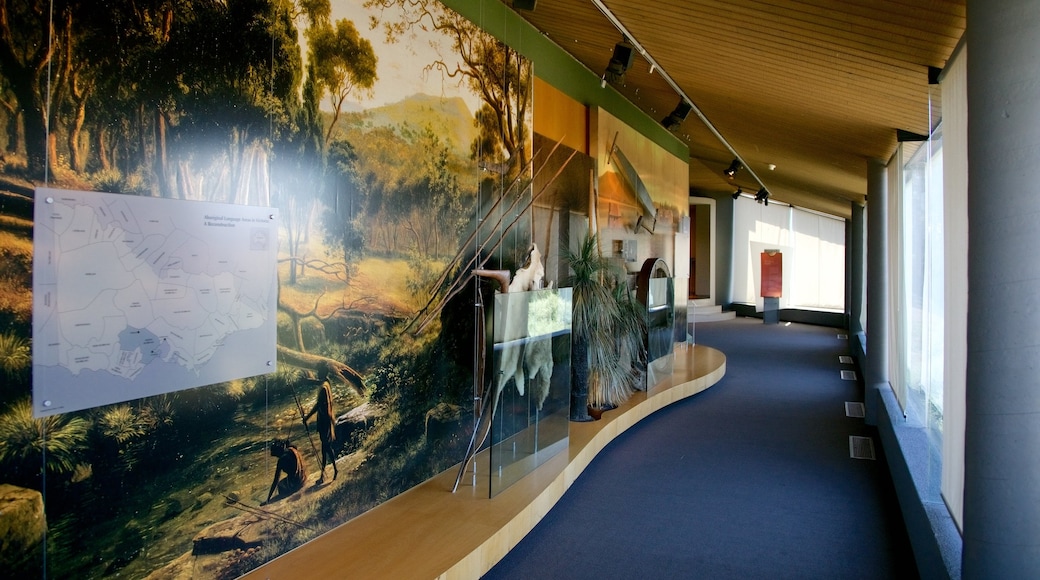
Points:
(813, 248)
(756, 228)
(955, 205)
(819, 270)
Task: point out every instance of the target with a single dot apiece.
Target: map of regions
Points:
(138, 296)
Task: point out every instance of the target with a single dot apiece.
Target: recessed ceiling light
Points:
(771, 166)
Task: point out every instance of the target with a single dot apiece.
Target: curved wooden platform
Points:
(429, 532)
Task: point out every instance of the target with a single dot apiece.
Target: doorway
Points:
(702, 249)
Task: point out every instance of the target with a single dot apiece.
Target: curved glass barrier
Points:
(531, 377)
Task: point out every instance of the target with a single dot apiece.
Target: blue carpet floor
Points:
(749, 479)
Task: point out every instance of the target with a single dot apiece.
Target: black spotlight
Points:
(736, 194)
(762, 196)
(676, 117)
(620, 62)
(734, 167)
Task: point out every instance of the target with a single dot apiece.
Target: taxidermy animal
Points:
(511, 325)
(536, 354)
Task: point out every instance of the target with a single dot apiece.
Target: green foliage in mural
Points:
(344, 63)
(401, 189)
(31, 447)
(15, 356)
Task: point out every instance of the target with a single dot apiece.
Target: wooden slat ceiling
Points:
(814, 87)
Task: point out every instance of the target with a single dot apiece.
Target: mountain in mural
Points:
(449, 118)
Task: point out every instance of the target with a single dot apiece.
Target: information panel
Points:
(772, 274)
(138, 296)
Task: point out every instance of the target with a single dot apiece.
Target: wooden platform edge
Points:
(586, 441)
(429, 532)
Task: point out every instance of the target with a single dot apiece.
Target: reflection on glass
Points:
(531, 377)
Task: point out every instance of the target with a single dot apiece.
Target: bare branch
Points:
(341, 371)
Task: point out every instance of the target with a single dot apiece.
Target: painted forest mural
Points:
(394, 137)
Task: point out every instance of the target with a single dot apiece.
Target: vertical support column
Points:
(1002, 426)
(856, 269)
(724, 250)
(876, 372)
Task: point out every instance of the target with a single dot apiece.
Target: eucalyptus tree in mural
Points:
(491, 69)
(24, 52)
(379, 180)
(501, 147)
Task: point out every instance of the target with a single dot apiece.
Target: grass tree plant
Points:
(606, 334)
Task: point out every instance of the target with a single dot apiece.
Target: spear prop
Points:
(257, 511)
(306, 429)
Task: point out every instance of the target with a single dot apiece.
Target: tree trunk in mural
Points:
(34, 125)
(76, 157)
(160, 162)
(11, 128)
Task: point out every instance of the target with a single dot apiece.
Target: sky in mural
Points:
(401, 64)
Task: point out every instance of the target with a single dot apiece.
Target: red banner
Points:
(772, 274)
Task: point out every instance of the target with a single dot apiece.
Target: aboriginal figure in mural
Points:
(382, 131)
(290, 465)
(325, 423)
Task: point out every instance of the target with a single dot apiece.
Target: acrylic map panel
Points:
(138, 296)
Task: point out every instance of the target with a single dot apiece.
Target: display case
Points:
(530, 375)
(655, 289)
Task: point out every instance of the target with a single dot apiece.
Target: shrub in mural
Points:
(395, 139)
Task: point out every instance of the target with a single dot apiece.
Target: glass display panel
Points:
(530, 373)
(660, 322)
(683, 324)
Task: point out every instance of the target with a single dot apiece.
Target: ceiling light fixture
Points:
(677, 116)
(737, 193)
(620, 62)
(734, 167)
(762, 196)
(664, 74)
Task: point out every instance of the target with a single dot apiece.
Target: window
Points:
(919, 283)
(813, 247)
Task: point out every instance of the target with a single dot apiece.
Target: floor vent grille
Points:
(854, 409)
(845, 359)
(848, 375)
(861, 447)
(843, 337)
